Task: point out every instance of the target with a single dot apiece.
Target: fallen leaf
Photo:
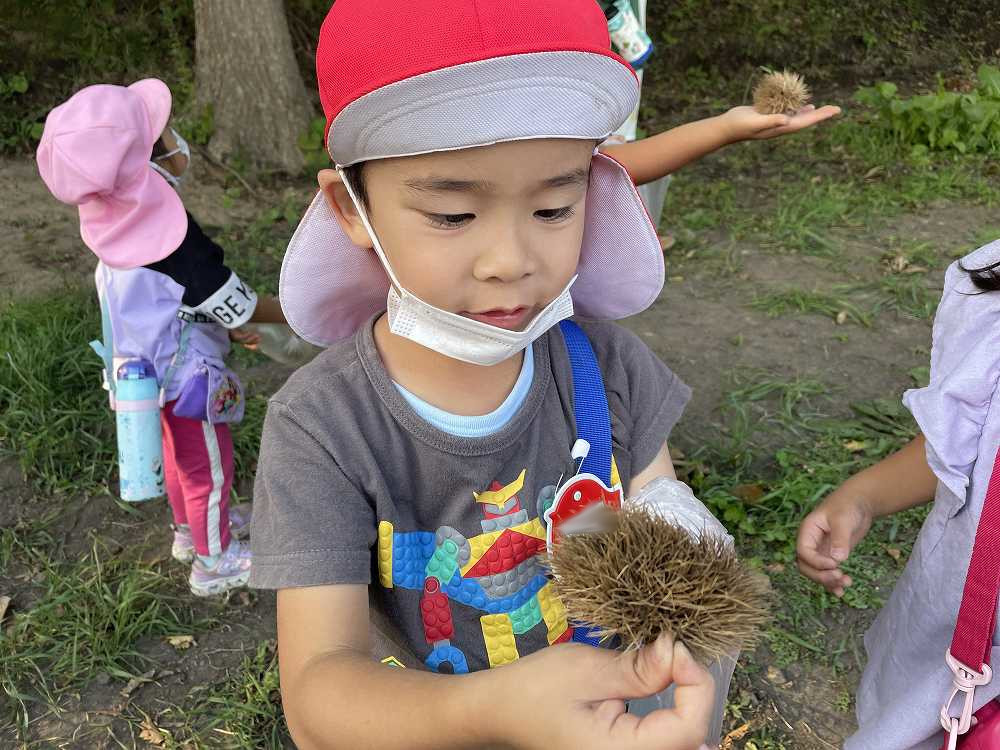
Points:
(775, 676)
(135, 682)
(893, 552)
(748, 493)
(775, 568)
(916, 269)
(4, 604)
(150, 733)
(873, 172)
(675, 278)
(899, 264)
(181, 642)
(736, 734)
(841, 317)
(855, 446)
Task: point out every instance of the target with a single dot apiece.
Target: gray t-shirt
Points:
(354, 487)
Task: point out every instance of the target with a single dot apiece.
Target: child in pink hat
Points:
(169, 299)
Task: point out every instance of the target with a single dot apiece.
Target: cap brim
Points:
(156, 96)
(329, 286)
(136, 226)
(558, 94)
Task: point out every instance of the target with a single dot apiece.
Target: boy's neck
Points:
(452, 385)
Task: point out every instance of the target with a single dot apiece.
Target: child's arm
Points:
(570, 695)
(651, 158)
(828, 534)
(661, 466)
(268, 310)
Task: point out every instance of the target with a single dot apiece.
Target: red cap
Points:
(435, 60)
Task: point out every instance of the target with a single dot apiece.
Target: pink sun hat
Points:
(94, 153)
(401, 78)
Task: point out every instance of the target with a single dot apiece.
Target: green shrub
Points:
(17, 128)
(942, 121)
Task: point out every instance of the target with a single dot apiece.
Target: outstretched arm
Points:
(651, 158)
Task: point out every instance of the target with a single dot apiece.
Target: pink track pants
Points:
(198, 468)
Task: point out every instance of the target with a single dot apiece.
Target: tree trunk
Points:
(246, 71)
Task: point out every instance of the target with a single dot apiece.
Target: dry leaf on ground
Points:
(181, 642)
(150, 733)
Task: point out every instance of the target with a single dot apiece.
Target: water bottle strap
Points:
(182, 344)
(105, 348)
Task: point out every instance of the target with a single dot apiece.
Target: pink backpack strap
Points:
(969, 655)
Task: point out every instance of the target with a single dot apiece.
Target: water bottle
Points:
(280, 343)
(140, 439)
(627, 34)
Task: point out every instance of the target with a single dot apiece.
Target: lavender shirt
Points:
(906, 680)
(146, 306)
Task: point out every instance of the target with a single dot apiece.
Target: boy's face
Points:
(491, 233)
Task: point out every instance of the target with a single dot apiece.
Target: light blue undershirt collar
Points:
(476, 427)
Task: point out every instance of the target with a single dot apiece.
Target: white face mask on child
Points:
(182, 148)
(454, 335)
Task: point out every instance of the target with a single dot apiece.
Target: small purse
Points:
(213, 394)
(973, 640)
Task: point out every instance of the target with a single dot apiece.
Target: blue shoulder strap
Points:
(590, 402)
(105, 347)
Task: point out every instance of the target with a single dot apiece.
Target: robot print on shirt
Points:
(497, 572)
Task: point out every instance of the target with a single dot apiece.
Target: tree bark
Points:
(245, 69)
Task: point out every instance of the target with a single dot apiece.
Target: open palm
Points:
(746, 123)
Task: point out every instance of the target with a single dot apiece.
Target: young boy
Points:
(415, 460)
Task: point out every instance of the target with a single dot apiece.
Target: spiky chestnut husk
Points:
(645, 576)
(780, 93)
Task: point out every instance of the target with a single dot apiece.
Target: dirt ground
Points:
(700, 326)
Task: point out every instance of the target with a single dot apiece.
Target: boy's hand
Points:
(249, 339)
(573, 696)
(747, 124)
(828, 535)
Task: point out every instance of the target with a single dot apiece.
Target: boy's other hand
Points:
(747, 124)
(573, 695)
(827, 536)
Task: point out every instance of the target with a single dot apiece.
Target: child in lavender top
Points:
(906, 681)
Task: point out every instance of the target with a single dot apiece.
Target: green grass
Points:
(242, 712)
(785, 445)
(85, 617)
(54, 415)
(907, 294)
(986, 235)
(812, 190)
(779, 303)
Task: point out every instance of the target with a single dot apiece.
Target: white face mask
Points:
(453, 335)
(182, 148)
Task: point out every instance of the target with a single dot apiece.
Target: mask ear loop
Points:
(182, 148)
(167, 155)
(171, 179)
(383, 259)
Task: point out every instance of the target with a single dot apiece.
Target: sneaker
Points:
(182, 549)
(183, 546)
(239, 520)
(231, 570)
